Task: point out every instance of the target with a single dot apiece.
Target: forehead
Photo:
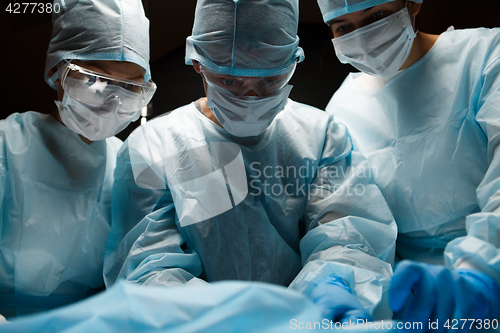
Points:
(360, 14)
(332, 9)
(121, 69)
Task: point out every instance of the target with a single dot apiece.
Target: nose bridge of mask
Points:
(251, 84)
(113, 103)
(236, 108)
(108, 110)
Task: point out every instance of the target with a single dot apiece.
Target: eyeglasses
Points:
(97, 89)
(240, 85)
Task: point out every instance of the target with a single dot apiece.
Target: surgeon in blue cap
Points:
(56, 170)
(424, 110)
(247, 184)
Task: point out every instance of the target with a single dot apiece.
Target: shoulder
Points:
(301, 110)
(476, 50)
(311, 125)
(167, 128)
(476, 42)
(19, 120)
(113, 144)
(477, 35)
(22, 126)
(172, 120)
(303, 116)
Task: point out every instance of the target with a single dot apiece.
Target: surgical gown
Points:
(55, 192)
(432, 133)
(301, 206)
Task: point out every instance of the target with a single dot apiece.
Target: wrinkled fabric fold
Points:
(298, 181)
(56, 197)
(432, 133)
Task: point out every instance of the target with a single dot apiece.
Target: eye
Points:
(126, 86)
(343, 29)
(378, 15)
(123, 85)
(228, 83)
(90, 80)
(271, 82)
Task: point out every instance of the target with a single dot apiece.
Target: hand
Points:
(336, 302)
(442, 294)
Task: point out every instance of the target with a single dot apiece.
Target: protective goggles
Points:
(240, 85)
(97, 89)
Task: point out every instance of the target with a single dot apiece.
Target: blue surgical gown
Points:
(311, 209)
(432, 133)
(55, 194)
(220, 307)
(227, 306)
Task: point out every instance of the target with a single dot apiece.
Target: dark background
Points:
(25, 37)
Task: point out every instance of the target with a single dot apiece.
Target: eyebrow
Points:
(98, 65)
(334, 21)
(105, 71)
(138, 77)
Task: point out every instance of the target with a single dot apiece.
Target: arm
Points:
(145, 246)
(350, 229)
(480, 249)
(469, 288)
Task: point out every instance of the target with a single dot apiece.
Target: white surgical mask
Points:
(248, 115)
(379, 48)
(94, 123)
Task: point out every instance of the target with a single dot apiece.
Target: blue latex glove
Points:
(337, 303)
(442, 294)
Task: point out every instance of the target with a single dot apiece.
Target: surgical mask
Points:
(94, 123)
(97, 105)
(247, 115)
(380, 48)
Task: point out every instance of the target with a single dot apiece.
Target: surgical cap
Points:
(331, 9)
(245, 37)
(99, 30)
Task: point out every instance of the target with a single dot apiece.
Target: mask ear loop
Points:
(62, 71)
(413, 23)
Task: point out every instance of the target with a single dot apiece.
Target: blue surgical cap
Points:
(99, 30)
(331, 9)
(245, 37)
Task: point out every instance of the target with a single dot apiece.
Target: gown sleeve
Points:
(480, 248)
(145, 246)
(350, 229)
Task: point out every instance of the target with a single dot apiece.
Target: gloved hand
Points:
(336, 302)
(442, 294)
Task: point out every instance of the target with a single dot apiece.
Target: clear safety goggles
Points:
(240, 85)
(97, 89)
